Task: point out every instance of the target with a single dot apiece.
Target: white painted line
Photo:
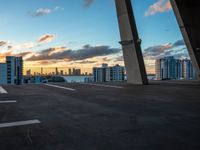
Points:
(4, 102)
(60, 87)
(103, 85)
(19, 123)
(2, 90)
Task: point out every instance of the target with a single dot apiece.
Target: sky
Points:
(84, 33)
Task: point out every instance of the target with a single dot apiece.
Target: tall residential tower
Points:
(14, 70)
(170, 68)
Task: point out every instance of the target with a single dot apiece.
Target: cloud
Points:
(159, 51)
(86, 62)
(106, 59)
(45, 62)
(46, 38)
(12, 46)
(159, 7)
(11, 53)
(16, 50)
(2, 43)
(23, 54)
(63, 53)
(21, 46)
(88, 3)
(40, 12)
(4, 54)
(23, 49)
(43, 11)
(179, 43)
(119, 59)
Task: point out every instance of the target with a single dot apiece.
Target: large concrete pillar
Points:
(131, 44)
(188, 15)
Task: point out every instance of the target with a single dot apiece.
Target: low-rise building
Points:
(107, 74)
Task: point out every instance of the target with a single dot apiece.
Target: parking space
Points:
(60, 87)
(2, 90)
(104, 85)
(19, 123)
(14, 121)
(94, 86)
(6, 102)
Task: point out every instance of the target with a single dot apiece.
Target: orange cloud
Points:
(4, 54)
(159, 7)
(46, 38)
(12, 52)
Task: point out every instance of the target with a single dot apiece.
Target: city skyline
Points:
(84, 33)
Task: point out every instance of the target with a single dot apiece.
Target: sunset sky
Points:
(84, 33)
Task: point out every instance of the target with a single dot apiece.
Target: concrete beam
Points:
(131, 44)
(188, 16)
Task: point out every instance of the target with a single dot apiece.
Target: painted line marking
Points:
(60, 87)
(19, 123)
(4, 102)
(2, 90)
(103, 85)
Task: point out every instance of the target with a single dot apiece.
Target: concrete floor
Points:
(161, 116)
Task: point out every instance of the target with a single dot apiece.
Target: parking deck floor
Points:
(76, 116)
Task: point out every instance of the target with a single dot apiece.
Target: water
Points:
(72, 79)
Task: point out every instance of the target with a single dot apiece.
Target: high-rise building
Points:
(14, 70)
(106, 74)
(70, 72)
(188, 71)
(170, 68)
(28, 73)
(74, 71)
(101, 74)
(61, 72)
(41, 71)
(3, 73)
(56, 70)
(77, 72)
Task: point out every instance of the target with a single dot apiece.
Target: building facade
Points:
(169, 68)
(14, 70)
(101, 74)
(107, 74)
(188, 71)
(3, 73)
(117, 73)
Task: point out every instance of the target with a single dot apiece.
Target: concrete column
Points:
(188, 15)
(130, 42)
